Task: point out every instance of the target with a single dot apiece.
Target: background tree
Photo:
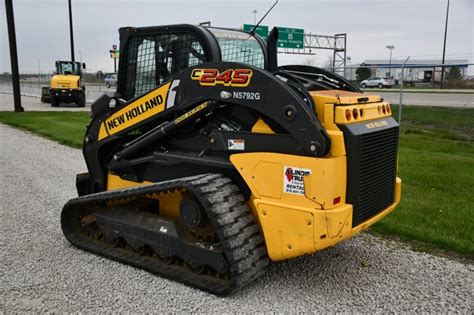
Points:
(363, 73)
(329, 64)
(454, 74)
(310, 61)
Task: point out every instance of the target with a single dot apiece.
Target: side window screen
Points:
(152, 60)
(146, 66)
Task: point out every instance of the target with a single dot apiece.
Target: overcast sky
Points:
(415, 27)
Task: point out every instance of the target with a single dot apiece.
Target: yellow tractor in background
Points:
(65, 85)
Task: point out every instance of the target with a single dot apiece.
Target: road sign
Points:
(114, 53)
(261, 30)
(114, 47)
(290, 37)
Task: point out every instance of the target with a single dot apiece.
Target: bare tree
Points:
(329, 63)
(310, 61)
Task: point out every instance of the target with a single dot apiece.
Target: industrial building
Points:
(419, 71)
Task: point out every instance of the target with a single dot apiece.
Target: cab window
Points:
(239, 46)
(152, 60)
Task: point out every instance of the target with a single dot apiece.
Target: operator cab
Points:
(151, 55)
(69, 67)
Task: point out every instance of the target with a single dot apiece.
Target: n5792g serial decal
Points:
(247, 95)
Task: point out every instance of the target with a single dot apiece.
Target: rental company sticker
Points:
(293, 180)
(236, 144)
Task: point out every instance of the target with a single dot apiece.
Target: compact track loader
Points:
(211, 161)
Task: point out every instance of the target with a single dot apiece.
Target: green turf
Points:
(437, 204)
(436, 164)
(64, 127)
(447, 122)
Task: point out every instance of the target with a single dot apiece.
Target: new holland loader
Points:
(65, 85)
(211, 161)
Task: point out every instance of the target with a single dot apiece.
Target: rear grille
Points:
(372, 162)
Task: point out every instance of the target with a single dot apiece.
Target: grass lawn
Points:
(64, 127)
(436, 164)
(437, 205)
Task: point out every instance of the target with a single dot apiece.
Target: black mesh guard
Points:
(371, 167)
(151, 60)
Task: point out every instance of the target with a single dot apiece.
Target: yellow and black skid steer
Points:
(211, 161)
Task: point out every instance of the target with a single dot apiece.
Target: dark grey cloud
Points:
(415, 27)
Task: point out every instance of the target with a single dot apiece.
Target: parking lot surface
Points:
(34, 104)
(40, 271)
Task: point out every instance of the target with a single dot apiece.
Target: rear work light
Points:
(348, 115)
(355, 113)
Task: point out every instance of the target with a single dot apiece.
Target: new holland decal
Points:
(229, 77)
(134, 112)
(293, 179)
(137, 111)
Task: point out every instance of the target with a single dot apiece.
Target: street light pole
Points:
(444, 46)
(71, 31)
(13, 56)
(390, 47)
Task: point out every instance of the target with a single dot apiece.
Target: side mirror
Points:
(83, 65)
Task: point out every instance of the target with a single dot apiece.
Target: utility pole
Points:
(39, 74)
(254, 17)
(444, 46)
(391, 47)
(71, 35)
(13, 56)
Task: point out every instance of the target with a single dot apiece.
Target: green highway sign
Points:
(261, 30)
(290, 37)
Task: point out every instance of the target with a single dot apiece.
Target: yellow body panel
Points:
(341, 97)
(263, 173)
(261, 127)
(370, 112)
(63, 81)
(296, 224)
(169, 202)
(142, 108)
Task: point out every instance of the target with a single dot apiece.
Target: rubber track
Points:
(238, 233)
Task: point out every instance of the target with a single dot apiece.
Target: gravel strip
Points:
(40, 271)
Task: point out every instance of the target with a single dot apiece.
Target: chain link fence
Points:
(31, 84)
(422, 95)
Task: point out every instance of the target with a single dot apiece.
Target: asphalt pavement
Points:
(429, 99)
(41, 272)
(461, 98)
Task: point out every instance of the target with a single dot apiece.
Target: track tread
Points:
(238, 233)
